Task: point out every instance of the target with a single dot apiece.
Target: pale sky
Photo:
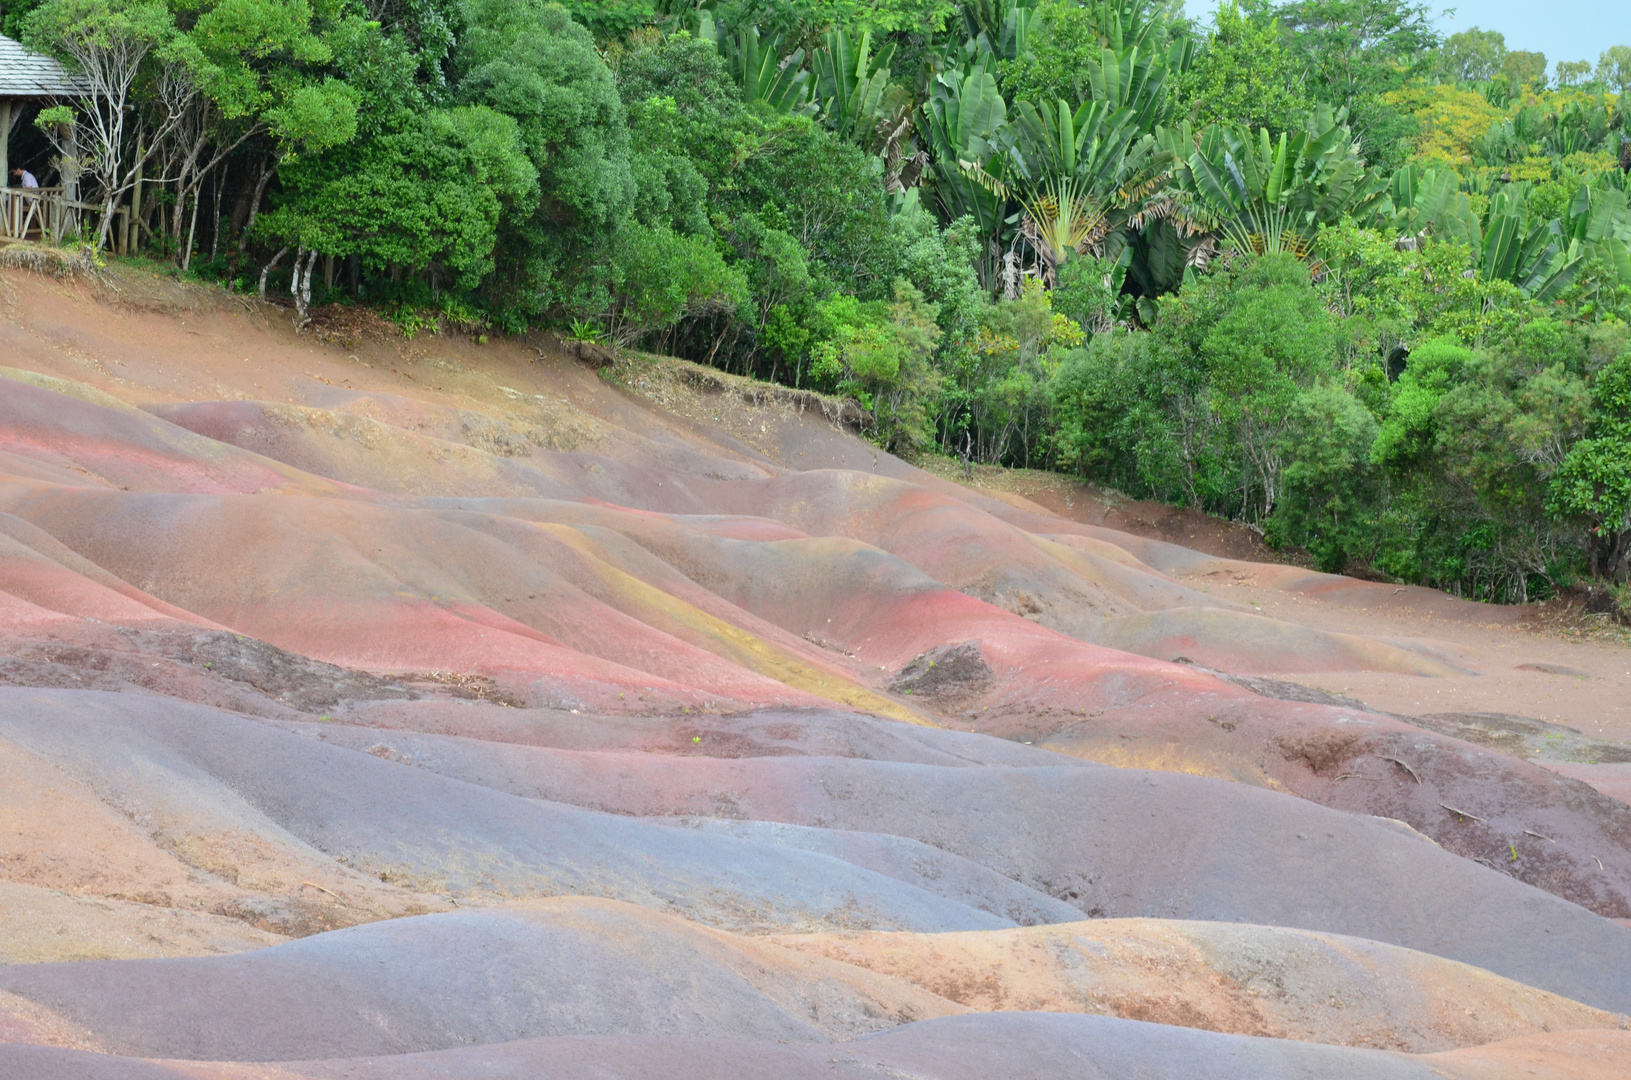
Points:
(1562, 29)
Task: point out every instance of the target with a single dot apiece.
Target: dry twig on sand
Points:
(1406, 768)
(320, 889)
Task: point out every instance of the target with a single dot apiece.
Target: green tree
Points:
(612, 18)
(12, 15)
(280, 77)
(1064, 47)
(683, 103)
(1328, 487)
(658, 277)
(108, 44)
(860, 16)
(1524, 70)
(824, 193)
(1204, 409)
(1473, 55)
(1275, 339)
(428, 29)
(1356, 51)
(1469, 440)
(1614, 68)
(1090, 291)
(528, 60)
(1593, 485)
(1244, 77)
(1003, 382)
(777, 268)
(426, 197)
(939, 263)
(1573, 72)
(882, 354)
(687, 126)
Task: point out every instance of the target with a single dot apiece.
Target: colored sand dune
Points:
(519, 727)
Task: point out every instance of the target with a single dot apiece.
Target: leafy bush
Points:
(658, 277)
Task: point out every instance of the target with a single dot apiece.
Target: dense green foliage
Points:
(1315, 267)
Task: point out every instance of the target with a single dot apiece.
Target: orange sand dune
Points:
(1248, 980)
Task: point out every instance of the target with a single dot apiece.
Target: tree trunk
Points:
(215, 213)
(267, 170)
(267, 269)
(192, 234)
(240, 205)
(300, 288)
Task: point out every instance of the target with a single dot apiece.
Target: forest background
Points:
(1316, 266)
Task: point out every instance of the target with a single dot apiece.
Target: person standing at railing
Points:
(28, 178)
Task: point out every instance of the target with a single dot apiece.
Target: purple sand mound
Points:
(570, 966)
(1033, 1046)
(1106, 841)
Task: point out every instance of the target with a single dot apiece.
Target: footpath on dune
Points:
(566, 671)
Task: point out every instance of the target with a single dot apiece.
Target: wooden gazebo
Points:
(31, 78)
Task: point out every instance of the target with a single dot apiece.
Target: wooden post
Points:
(7, 213)
(5, 142)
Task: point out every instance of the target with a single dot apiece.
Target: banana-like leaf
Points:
(1536, 257)
(764, 74)
(1405, 185)
(1003, 25)
(967, 121)
(1617, 254)
(851, 83)
(894, 141)
(1251, 184)
(1016, 32)
(966, 124)
(1134, 79)
(1431, 200)
(1503, 242)
(1182, 54)
(1596, 226)
(1091, 142)
(1081, 176)
(948, 68)
(1596, 214)
(1125, 24)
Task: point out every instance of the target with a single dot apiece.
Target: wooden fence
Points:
(48, 214)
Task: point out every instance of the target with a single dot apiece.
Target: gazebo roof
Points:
(30, 74)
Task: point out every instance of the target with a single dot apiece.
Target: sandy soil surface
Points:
(1528, 668)
(1546, 661)
(331, 662)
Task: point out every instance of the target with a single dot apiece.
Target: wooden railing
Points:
(46, 214)
(33, 213)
